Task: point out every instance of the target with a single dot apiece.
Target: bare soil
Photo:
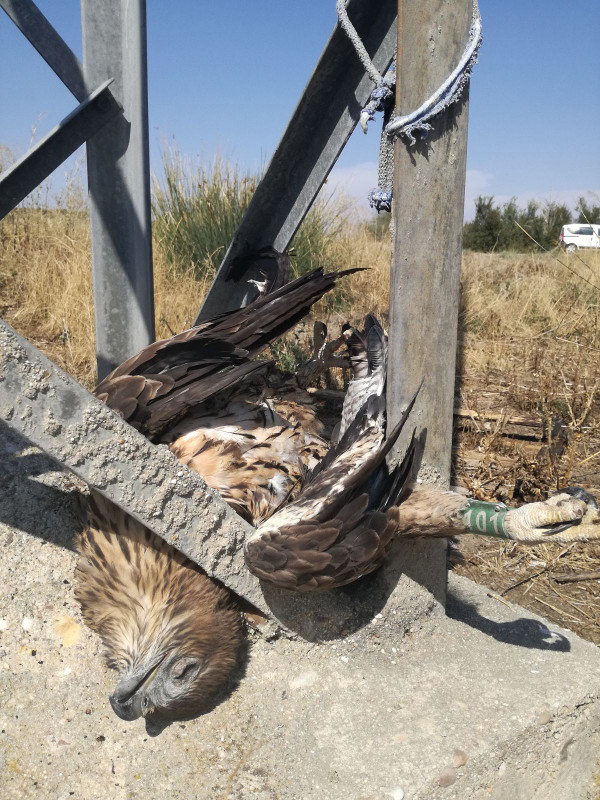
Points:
(499, 457)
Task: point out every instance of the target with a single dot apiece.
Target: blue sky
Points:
(226, 76)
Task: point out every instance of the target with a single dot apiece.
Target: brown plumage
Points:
(342, 523)
(325, 513)
(171, 633)
(254, 436)
(166, 379)
(253, 450)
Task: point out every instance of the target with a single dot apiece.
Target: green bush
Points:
(197, 210)
(587, 212)
(497, 227)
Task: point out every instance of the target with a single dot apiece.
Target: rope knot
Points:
(380, 200)
(381, 97)
(417, 122)
(382, 94)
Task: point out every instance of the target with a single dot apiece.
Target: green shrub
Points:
(197, 210)
(496, 228)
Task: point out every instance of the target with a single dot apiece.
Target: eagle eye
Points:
(184, 668)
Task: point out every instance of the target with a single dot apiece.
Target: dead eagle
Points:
(325, 512)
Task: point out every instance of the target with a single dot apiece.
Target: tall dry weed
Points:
(515, 308)
(46, 287)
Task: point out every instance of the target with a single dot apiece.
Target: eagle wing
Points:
(162, 382)
(324, 518)
(342, 524)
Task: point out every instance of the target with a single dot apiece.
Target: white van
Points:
(579, 236)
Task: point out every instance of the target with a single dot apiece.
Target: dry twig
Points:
(566, 577)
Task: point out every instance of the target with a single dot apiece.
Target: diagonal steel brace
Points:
(59, 416)
(48, 42)
(44, 157)
(326, 115)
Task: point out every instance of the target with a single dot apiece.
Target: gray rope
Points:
(416, 122)
(448, 93)
(381, 98)
(381, 198)
(361, 51)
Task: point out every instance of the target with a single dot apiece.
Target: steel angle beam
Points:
(44, 157)
(316, 134)
(58, 55)
(118, 169)
(59, 416)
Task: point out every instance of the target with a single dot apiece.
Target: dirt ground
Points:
(498, 455)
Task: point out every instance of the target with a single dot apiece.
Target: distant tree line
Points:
(497, 227)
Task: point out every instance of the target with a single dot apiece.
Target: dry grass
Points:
(46, 288)
(530, 342)
(530, 348)
(527, 300)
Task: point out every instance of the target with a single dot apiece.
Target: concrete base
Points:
(489, 702)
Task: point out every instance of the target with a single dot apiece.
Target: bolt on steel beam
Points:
(44, 157)
(114, 45)
(315, 136)
(49, 44)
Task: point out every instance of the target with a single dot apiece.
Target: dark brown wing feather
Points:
(313, 557)
(344, 518)
(166, 378)
(269, 264)
(343, 522)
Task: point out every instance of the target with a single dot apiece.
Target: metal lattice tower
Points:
(110, 87)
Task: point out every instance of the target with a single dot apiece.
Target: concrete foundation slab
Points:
(488, 702)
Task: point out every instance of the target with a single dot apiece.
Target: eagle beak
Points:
(128, 700)
(125, 701)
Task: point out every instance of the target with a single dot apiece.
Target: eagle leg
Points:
(568, 516)
(323, 357)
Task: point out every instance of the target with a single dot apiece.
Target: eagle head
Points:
(171, 632)
(176, 672)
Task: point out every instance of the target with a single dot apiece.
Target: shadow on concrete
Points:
(336, 614)
(37, 507)
(522, 632)
(54, 513)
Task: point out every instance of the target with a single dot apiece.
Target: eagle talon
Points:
(565, 517)
(323, 357)
(559, 528)
(580, 493)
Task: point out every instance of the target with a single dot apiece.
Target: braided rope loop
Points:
(447, 94)
(417, 122)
